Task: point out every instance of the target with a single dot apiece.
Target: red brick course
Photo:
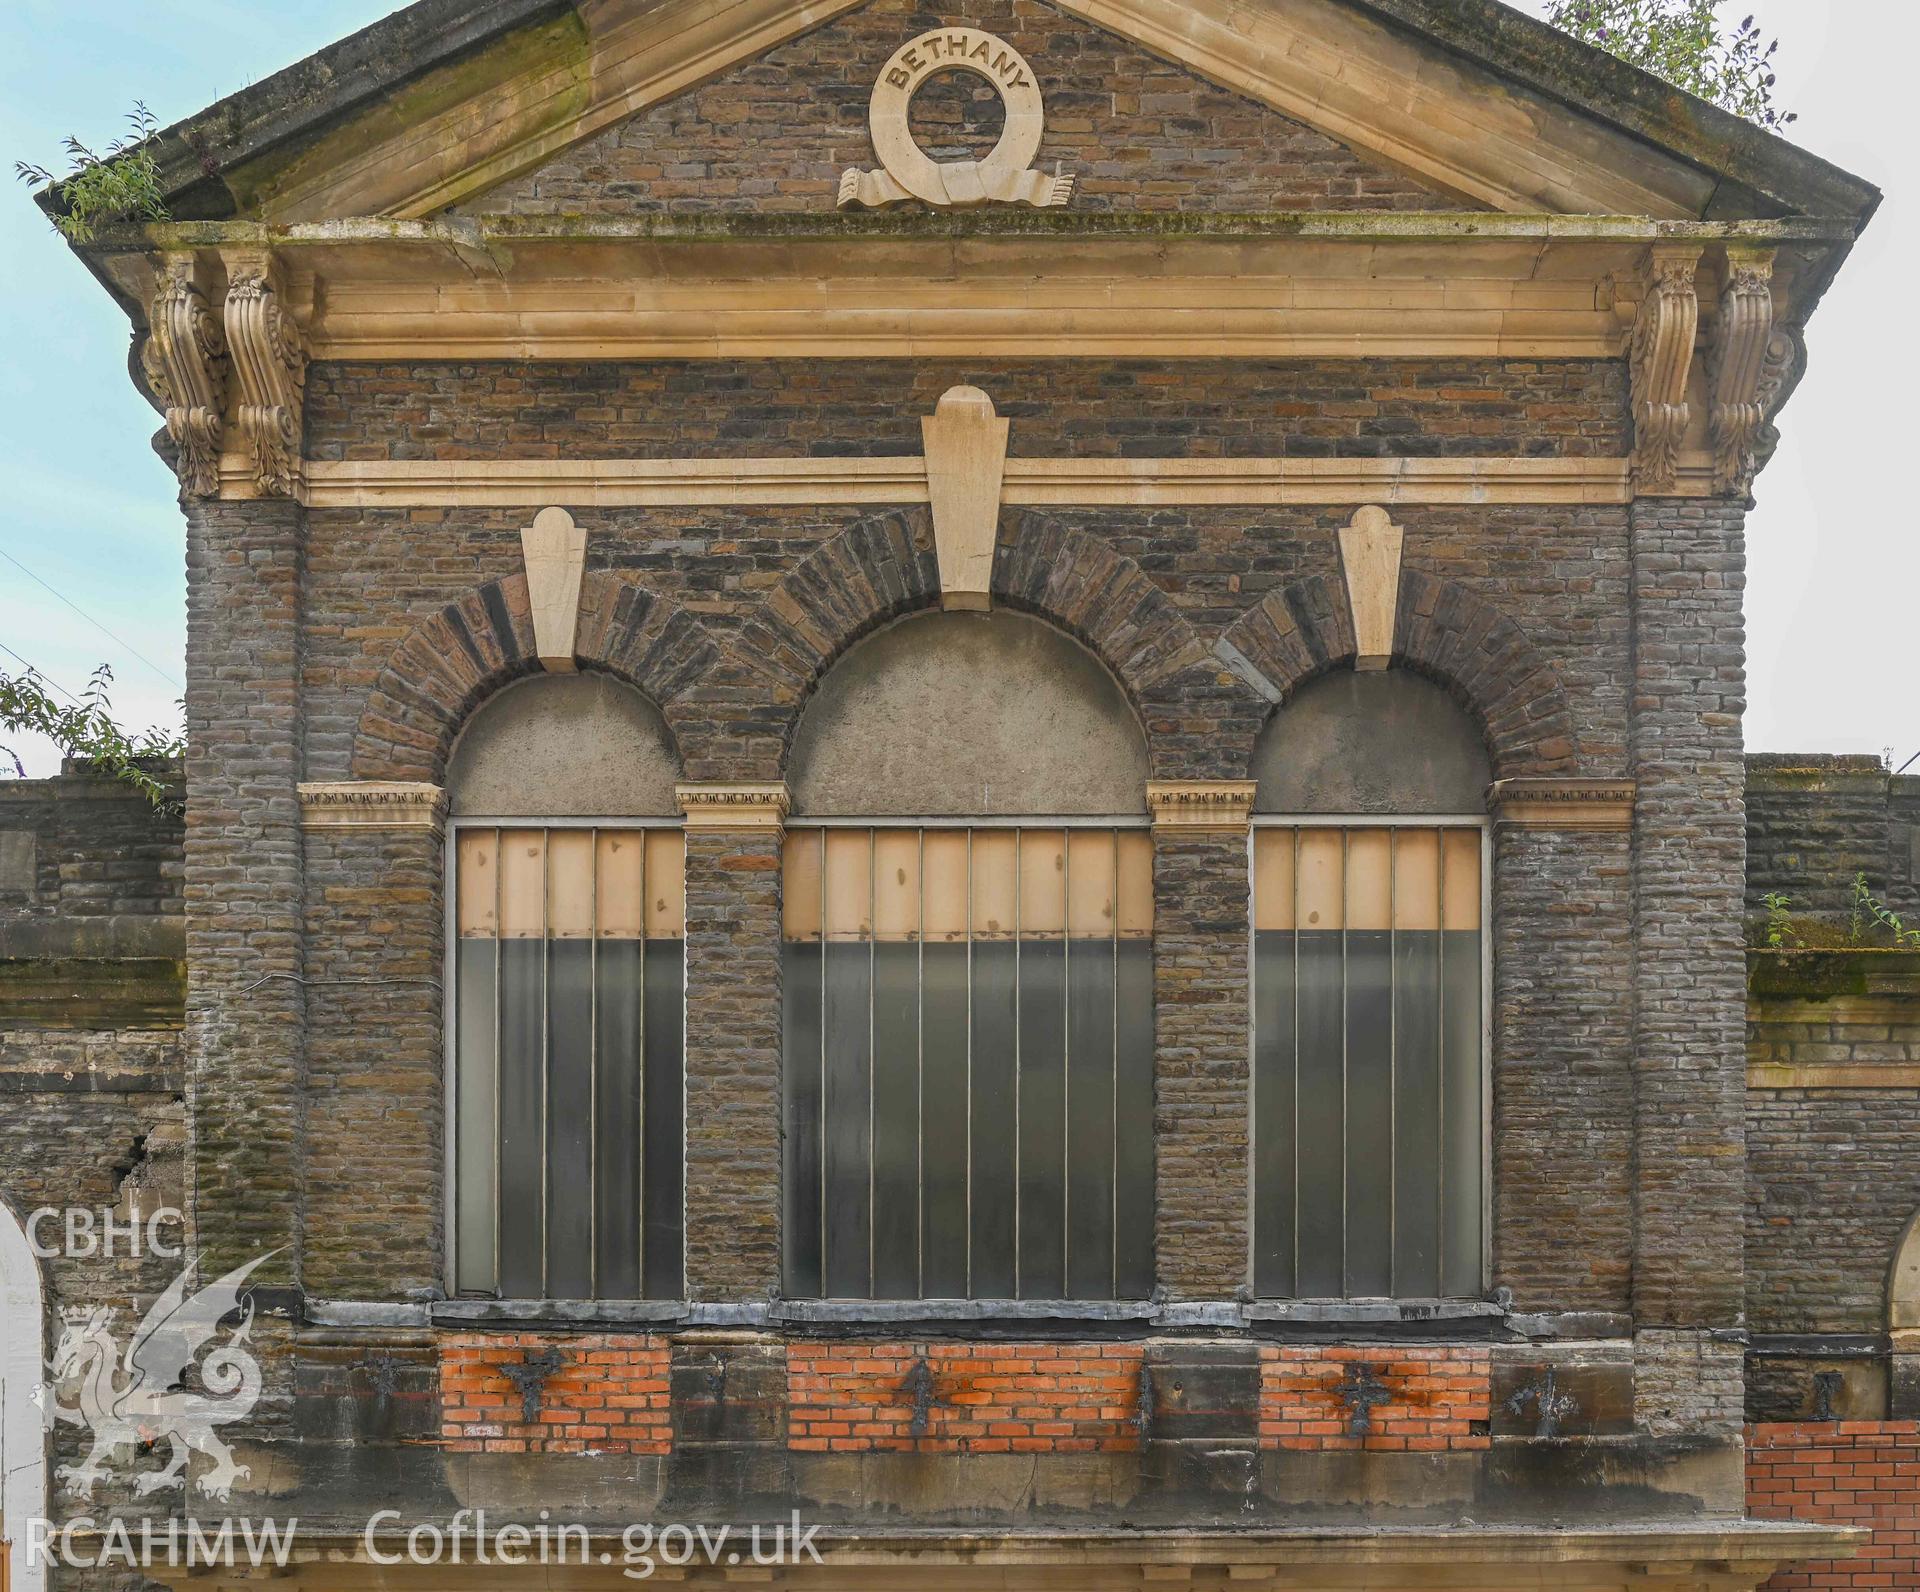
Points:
(987, 1398)
(609, 1395)
(1435, 1399)
(1843, 1473)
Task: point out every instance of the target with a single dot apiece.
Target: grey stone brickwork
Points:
(1689, 691)
(1833, 1179)
(1563, 1097)
(1816, 823)
(1202, 1099)
(246, 950)
(733, 1064)
(1138, 132)
(1091, 408)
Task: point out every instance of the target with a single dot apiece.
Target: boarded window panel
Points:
(1004, 1134)
(568, 1063)
(1368, 1098)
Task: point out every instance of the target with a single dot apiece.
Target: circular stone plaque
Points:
(1006, 176)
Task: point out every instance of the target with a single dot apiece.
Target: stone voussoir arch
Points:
(1443, 631)
(460, 655)
(884, 568)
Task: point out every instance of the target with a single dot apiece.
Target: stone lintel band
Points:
(1571, 804)
(1201, 805)
(371, 804)
(758, 805)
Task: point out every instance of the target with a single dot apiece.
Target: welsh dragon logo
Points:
(139, 1396)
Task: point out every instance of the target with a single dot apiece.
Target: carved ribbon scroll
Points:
(185, 361)
(1662, 362)
(271, 362)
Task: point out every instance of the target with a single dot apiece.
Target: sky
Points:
(92, 544)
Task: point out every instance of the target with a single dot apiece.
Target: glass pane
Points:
(664, 1157)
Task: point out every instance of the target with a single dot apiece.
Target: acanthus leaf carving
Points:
(270, 359)
(185, 362)
(1737, 367)
(1661, 365)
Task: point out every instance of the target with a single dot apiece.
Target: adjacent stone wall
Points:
(1815, 823)
(1137, 132)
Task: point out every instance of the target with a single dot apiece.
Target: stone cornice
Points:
(1201, 805)
(1570, 804)
(371, 804)
(757, 805)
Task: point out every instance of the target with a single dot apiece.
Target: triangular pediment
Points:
(1229, 105)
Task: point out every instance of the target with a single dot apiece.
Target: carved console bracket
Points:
(270, 360)
(1199, 806)
(1737, 367)
(1570, 804)
(1370, 551)
(185, 361)
(1661, 364)
(966, 445)
(734, 807)
(371, 804)
(554, 550)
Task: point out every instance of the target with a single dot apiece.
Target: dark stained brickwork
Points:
(246, 950)
(1563, 1114)
(375, 947)
(1816, 823)
(1833, 1179)
(1201, 1067)
(1138, 133)
(733, 1064)
(1689, 691)
(1096, 408)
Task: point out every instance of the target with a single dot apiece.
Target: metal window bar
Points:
(992, 979)
(1370, 1009)
(565, 1050)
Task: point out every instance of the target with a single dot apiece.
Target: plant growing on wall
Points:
(102, 190)
(1870, 913)
(86, 730)
(1779, 920)
(1683, 42)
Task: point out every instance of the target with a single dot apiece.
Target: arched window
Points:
(1369, 1099)
(968, 1071)
(568, 996)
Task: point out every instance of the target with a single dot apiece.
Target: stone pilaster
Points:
(734, 835)
(376, 949)
(1201, 1050)
(1689, 859)
(1562, 1074)
(246, 1009)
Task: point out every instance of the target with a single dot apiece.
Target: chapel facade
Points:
(978, 778)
